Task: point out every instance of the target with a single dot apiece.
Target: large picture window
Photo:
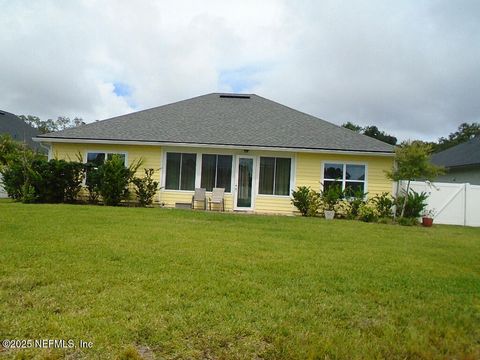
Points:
(180, 172)
(216, 172)
(351, 177)
(274, 176)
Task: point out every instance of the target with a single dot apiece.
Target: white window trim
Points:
(344, 180)
(292, 177)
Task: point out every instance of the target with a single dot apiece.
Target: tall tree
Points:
(354, 127)
(412, 162)
(49, 125)
(371, 131)
(464, 133)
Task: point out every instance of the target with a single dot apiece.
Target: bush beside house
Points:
(29, 177)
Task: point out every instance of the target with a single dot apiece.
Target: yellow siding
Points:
(307, 169)
(274, 205)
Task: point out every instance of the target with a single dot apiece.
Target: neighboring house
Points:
(257, 149)
(18, 129)
(462, 163)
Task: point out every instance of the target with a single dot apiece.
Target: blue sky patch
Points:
(122, 89)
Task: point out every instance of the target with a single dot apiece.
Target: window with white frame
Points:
(180, 171)
(216, 172)
(274, 178)
(351, 177)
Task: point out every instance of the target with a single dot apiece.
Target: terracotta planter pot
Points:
(427, 222)
(329, 214)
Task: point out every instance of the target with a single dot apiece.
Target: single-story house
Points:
(461, 162)
(255, 148)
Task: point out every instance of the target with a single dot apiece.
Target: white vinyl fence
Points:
(454, 204)
(3, 193)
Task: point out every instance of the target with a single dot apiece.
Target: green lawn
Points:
(191, 285)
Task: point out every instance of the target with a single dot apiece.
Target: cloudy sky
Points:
(410, 67)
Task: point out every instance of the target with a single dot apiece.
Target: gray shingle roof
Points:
(465, 154)
(226, 119)
(17, 128)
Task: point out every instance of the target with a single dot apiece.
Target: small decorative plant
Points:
(427, 217)
(146, 188)
(330, 196)
(384, 204)
(368, 212)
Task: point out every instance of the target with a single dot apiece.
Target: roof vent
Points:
(235, 96)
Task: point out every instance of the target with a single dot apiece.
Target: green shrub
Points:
(356, 200)
(368, 212)
(146, 187)
(343, 209)
(28, 193)
(113, 180)
(74, 175)
(416, 204)
(384, 204)
(34, 179)
(332, 195)
(306, 200)
(92, 182)
(13, 180)
(405, 221)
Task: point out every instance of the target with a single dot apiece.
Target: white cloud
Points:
(409, 67)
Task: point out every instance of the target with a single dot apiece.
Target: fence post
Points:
(465, 207)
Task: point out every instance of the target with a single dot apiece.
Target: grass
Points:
(190, 285)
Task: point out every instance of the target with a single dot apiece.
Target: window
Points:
(180, 173)
(274, 176)
(350, 176)
(95, 159)
(216, 172)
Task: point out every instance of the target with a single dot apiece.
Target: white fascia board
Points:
(214, 146)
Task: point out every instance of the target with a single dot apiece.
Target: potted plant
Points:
(330, 197)
(427, 217)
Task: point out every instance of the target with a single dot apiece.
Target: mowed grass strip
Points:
(194, 285)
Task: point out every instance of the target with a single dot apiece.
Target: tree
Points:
(354, 127)
(412, 162)
(371, 131)
(9, 149)
(464, 133)
(49, 125)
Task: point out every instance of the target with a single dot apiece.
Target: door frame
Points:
(254, 182)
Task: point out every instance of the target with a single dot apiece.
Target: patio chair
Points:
(199, 196)
(218, 198)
